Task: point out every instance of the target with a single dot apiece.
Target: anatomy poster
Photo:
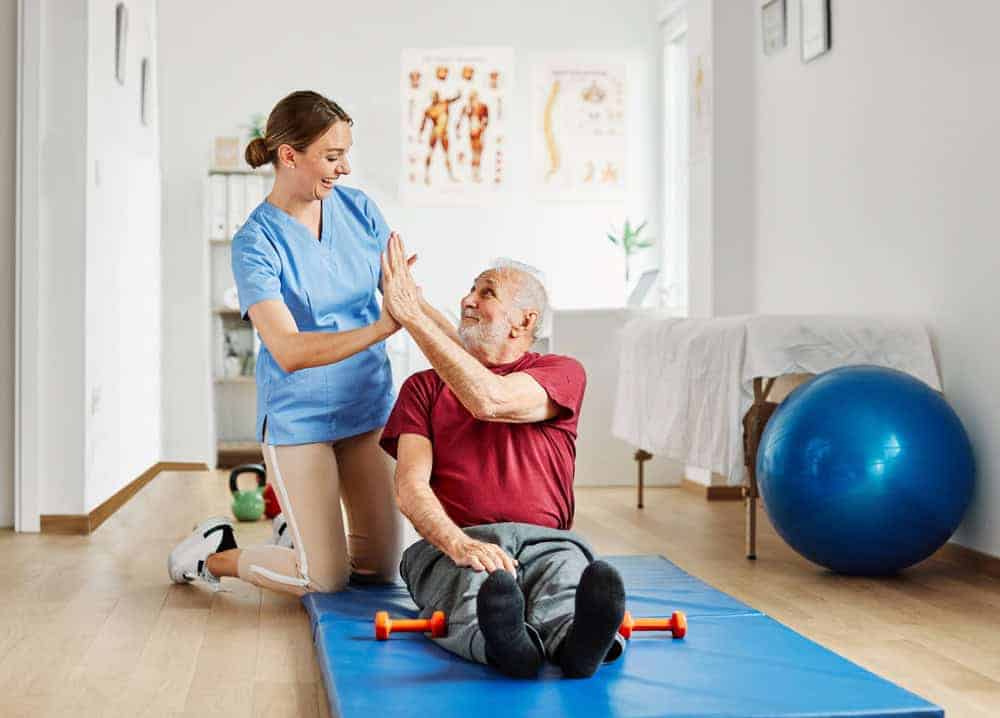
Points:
(578, 129)
(455, 108)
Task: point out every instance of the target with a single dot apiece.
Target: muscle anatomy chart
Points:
(455, 103)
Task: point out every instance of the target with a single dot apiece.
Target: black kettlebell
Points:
(248, 505)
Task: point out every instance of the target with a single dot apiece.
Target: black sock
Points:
(600, 607)
(228, 540)
(500, 609)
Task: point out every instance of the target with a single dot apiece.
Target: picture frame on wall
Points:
(121, 38)
(815, 28)
(226, 153)
(144, 82)
(774, 26)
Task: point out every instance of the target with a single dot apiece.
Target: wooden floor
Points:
(90, 626)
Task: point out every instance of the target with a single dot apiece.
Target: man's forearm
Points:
(472, 383)
(419, 504)
(441, 320)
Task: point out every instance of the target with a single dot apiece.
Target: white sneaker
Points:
(280, 535)
(187, 560)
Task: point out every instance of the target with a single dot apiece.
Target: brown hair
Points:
(297, 120)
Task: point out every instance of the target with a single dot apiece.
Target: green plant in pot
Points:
(257, 126)
(630, 242)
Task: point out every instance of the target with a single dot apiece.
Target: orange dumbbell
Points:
(676, 624)
(435, 625)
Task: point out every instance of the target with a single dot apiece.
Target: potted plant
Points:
(630, 243)
(257, 126)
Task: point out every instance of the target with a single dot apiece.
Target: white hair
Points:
(531, 292)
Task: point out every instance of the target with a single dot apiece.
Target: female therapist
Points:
(307, 264)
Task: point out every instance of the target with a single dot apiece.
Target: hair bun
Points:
(257, 153)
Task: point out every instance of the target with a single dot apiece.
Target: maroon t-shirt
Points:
(489, 472)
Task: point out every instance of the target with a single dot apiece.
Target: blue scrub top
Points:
(329, 286)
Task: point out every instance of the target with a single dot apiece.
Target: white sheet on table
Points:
(685, 384)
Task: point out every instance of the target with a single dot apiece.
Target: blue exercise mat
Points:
(735, 661)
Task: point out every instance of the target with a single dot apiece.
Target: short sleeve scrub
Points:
(328, 286)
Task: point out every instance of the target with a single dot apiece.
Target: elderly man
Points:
(485, 454)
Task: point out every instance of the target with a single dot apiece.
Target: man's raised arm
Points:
(515, 398)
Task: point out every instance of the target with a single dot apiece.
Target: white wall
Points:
(58, 437)
(235, 62)
(122, 394)
(97, 322)
(733, 181)
(8, 148)
(723, 126)
(701, 225)
(877, 184)
(591, 336)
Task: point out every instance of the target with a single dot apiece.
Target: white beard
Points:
(482, 335)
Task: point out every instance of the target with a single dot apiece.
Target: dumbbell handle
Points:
(436, 625)
(676, 624)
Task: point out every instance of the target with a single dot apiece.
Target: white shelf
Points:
(236, 380)
(257, 172)
(230, 194)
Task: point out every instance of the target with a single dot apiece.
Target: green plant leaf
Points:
(612, 239)
(257, 126)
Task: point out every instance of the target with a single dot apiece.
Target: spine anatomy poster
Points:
(578, 130)
(454, 117)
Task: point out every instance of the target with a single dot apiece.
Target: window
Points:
(674, 247)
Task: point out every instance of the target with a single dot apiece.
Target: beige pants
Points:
(311, 481)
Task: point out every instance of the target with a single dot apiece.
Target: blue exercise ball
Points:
(865, 470)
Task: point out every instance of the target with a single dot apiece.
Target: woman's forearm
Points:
(302, 350)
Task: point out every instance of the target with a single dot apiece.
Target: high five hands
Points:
(401, 297)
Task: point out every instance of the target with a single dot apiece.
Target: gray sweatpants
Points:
(550, 564)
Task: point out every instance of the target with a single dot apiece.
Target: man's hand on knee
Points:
(482, 556)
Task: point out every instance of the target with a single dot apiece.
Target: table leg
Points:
(751, 524)
(641, 457)
(753, 427)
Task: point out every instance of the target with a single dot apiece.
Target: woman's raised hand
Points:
(389, 324)
(401, 295)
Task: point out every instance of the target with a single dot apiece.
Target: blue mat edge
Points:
(331, 689)
(310, 602)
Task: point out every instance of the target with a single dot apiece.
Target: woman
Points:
(307, 264)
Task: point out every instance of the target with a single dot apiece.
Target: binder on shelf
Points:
(236, 203)
(217, 207)
(251, 194)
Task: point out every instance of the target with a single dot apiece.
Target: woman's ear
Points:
(286, 155)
